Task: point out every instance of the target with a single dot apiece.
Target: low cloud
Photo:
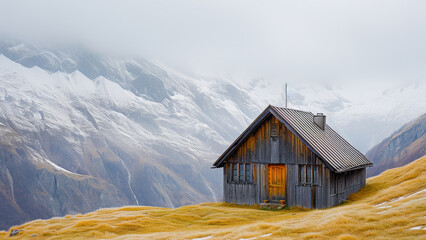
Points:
(331, 42)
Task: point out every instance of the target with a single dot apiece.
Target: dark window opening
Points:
(234, 172)
(315, 174)
(241, 168)
(308, 174)
(242, 173)
(249, 173)
(302, 173)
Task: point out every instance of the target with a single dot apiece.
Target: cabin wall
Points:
(256, 150)
(283, 147)
(344, 184)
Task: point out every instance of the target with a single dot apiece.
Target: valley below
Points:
(391, 206)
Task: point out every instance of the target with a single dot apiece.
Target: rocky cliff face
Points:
(36, 189)
(402, 147)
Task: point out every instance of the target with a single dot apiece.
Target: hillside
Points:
(404, 146)
(391, 206)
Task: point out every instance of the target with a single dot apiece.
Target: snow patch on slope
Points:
(37, 158)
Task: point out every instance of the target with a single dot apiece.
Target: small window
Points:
(315, 174)
(241, 171)
(308, 174)
(249, 173)
(234, 172)
(302, 173)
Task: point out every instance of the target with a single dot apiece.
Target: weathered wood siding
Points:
(283, 147)
(344, 184)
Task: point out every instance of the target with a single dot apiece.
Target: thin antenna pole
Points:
(285, 90)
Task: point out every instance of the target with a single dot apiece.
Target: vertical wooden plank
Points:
(266, 189)
(289, 183)
(257, 182)
(285, 147)
(253, 196)
(243, 193)
(231, 193)
(268, 141)
(292, 150)
(265, 182)
(225, 184)
(327, 186)
(236, 193)
(275, 151)
(228, 172)
(258, 150)
(289, 146)
(264, 143)
(281, 142)
(240, 193)
(261, 183)
(295, 180)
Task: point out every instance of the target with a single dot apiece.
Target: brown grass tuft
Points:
(347, 237)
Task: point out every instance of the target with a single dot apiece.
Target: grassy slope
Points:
(359, 218)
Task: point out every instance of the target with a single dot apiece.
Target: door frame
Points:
(267, 180)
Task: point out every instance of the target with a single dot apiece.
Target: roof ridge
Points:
(292, 109)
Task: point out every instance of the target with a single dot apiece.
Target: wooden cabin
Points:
(291, 155)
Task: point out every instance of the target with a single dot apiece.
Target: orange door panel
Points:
(277, 178)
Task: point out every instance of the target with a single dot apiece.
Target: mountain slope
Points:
(390, 206)
(362, 119)
(132, 134)
(80, 130)
(404, 146)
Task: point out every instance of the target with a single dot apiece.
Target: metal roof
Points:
(336, 153)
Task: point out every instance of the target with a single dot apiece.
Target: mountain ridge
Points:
(402, 147)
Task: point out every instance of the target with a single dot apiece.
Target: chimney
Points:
(319, 120)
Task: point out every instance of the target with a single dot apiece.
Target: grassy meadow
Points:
(391, 206)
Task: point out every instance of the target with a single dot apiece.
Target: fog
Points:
(327, 42)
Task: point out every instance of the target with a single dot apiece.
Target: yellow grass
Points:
(358, 218)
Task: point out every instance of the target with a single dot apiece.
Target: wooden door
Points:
(277, 179)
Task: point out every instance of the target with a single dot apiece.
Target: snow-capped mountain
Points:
(81, 130)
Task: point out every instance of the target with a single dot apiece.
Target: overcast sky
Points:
(306, 41)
